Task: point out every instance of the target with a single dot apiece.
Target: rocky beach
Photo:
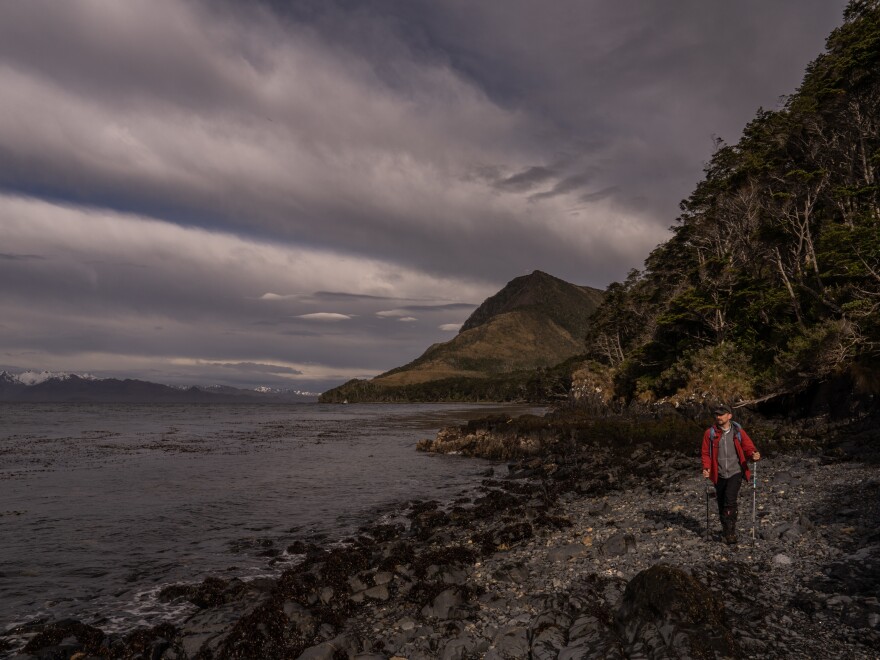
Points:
(572, 548)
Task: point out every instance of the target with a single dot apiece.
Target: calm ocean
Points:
(102, 505)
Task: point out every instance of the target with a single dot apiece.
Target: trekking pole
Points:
(754, 491)
(707, 513)
(709, 492)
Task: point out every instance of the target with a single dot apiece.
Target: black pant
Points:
(727, 491)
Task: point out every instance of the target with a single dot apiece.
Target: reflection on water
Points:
(101, 505)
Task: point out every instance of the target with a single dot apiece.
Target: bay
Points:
(103, 505)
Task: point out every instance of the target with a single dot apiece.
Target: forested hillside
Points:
(771, 280)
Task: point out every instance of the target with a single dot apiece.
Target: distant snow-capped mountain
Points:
(48, 386)
(37, 377)
(262, 390)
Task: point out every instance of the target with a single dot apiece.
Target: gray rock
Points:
(357, 584)
(609, 650)
(511, 642)
(587, 628)
(751, 645)
(548, 642)
(403, 637)
(377, 593)
(383, 577)
(420, 654)
(458, 648)
(447, 605)
(208, 628)
(838, 600)
(512, 573)
(805, 523)
(782, 560)
(327, 650)
(619, 544)
(783, 531)
(406, 623)
(567, 552)
(322, 651)
(453, 575)
(301, 617)
(590, 637)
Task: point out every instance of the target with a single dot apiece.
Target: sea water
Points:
(103, 505)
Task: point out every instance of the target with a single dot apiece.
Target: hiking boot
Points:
(728, 525)
(730, 516)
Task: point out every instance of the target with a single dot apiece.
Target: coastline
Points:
(597, 553)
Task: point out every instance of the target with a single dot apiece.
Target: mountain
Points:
(535, 322)
(543, 295)
(47, 387)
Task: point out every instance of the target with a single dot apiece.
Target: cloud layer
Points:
(330, 187)
(122, 292)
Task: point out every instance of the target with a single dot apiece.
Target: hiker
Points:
(726, 450)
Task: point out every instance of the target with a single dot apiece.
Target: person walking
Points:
(727, 448)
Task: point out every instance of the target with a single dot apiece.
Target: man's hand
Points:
(705, 474)
(756, 456)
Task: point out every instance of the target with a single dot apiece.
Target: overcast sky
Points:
(295, 193)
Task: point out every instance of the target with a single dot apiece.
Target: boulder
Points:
(666, 612)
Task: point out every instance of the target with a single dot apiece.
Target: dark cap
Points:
(721, 410)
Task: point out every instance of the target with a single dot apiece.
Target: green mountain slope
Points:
(535, 321)
(565, 304)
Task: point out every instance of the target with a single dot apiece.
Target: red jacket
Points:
(741, 440)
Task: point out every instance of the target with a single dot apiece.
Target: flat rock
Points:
(567, 552)
(620, 543)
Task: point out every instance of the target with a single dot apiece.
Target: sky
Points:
(296, 193)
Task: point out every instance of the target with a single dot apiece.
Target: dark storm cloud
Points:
(204, 182)
(618, 97)
(20, 257)
(340, 295)
(299, 333)
(599, 194)
(438, 308)
(527, 179)
(566, 185)
(253, 367)
(639, 86)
